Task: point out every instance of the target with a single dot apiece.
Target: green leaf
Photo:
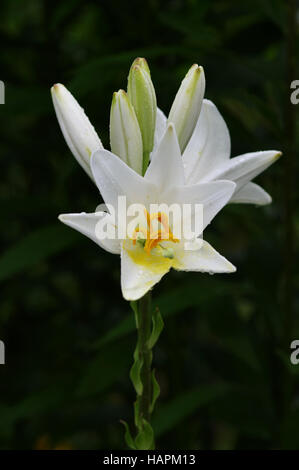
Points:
(135, 373)
(156, 391)
(158, 325)
(134, 306)
(123, 328)
(184, 297)
(128, 437)
(137, 421)
(171, 414)
(145, 438)
(107, 367)
(36, 247)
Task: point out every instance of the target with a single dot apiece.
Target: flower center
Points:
(151, 237)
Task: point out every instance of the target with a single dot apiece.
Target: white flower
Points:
(78, 132)
(82, 139)
(144, 264)
(207, 157)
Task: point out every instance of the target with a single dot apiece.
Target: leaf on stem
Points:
(134, 306)
(145, 438)
(128, 438)
(135, 372)
(158, 325)
(156, 391)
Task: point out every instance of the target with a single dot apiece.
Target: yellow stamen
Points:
(153, 238)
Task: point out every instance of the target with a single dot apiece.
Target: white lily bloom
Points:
(78, 132)
(186, 107)
(125, 135)
(144, 264)
(207, 157)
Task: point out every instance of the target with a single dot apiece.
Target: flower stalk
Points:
(149, 327)
(145, 355)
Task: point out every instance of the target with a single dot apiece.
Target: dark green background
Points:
(223, 358)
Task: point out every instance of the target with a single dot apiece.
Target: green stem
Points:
(145, 355)
(149, 327)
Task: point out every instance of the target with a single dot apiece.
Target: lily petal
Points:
(138, 279)
(244, 168)
(206, 259)
(86, 224)
(186, 107)
(213, 195)
(252, 193)
(115, 178)
(209, 145)
(78, 132)
(166, 167)
(161, 123)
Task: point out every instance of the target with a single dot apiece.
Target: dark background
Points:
(223, 358)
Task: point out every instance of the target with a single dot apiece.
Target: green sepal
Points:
(136, 371)
(155, 391)
(158, 325)
(145, 438)
(128, 438)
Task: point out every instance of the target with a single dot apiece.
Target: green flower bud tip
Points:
(142, 63)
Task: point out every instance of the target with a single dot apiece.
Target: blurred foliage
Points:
(222, 360)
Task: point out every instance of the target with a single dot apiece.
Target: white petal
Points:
(115, 178)
(78, 132)
(86, 224)
(166, 167)
(138, 279)
(206, 259)
(252, 193)
(186, 107)
(161, 121)
(244, 168)
(209, 145)
(214, 196)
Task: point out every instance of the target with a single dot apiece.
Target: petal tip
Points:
(56, 88)
(232, 268)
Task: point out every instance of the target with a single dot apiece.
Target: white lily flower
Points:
(186, 107)
(78, 132)
(125, 135)
(207, 157)
(144, 264)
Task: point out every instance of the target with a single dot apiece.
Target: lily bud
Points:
(125, 135)
(78, 132)
(186, 107)
(142, 95)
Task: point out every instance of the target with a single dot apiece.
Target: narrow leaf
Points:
(145, 438)
(156, 391)
(171, 414)
(35, 247)
(134, 306)
(135, 374)
(158, 325)
(128, 438)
